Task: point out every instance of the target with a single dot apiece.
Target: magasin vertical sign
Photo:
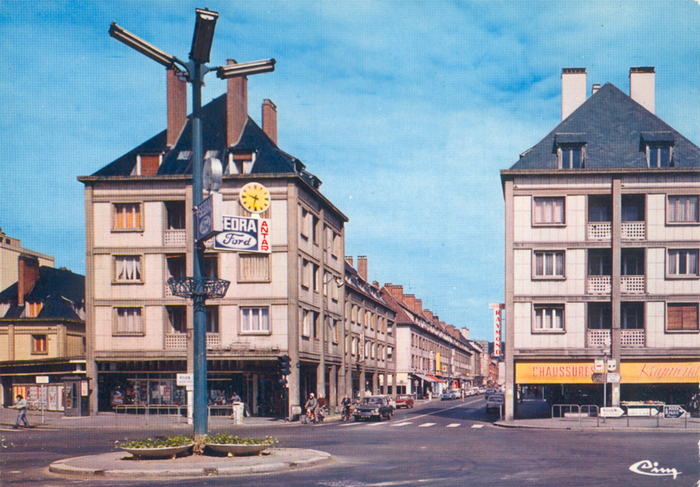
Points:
(244, 234)
(497, 324)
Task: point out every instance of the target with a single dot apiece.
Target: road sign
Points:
(642, 411)
(613, 378)
(598, 378)
(184, 380)
(611, 412)
(673, 412)
(599, 365)
(42, 379)
(612, 365)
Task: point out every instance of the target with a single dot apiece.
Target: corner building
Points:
(139, 233)
(602, 241)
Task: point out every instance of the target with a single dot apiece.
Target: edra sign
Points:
(244, 234)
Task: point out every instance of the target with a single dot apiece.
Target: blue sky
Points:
(406, 110)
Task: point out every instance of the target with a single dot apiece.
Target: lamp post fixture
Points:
(199, 287)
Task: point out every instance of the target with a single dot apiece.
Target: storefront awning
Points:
(422, 377)
(435, 379)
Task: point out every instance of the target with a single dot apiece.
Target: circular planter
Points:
(238, 449)
(164, 452)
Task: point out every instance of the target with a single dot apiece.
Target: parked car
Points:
(449, 396)
(489, 392)
(373, 407)
(494, 402)
(482, 390)
(404, 401)
(474, 391)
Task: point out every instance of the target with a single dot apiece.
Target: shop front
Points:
(583, 382)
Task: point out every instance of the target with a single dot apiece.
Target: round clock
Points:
(255, 197)
(212, 174)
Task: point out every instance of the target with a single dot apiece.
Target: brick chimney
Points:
(464, 332)
(269, 120)
(28, 271)
(177, 106)
(573, 90)
(348, 259)
(418, 306)
(410, 300)
(236, 107)
(642, 88)
(395, 290)
(362, 266)
(428, 314)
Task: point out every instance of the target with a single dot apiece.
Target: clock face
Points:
(255, 197)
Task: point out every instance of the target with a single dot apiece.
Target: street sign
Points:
(598, 378)
(613, 378)
(599, 365)
(611, 412)
(185, 380)
(642, 412)
(673, 412)
(42, 379)
(209, 220)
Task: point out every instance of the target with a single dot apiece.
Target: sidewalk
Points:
(532, 413)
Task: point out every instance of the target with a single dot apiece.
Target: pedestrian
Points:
(21, 404)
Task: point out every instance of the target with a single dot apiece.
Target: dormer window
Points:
(659, 155)
(571, 152)
(571, 157)
(240, 163)
(658, 147)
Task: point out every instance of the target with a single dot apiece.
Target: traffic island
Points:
(123, 465)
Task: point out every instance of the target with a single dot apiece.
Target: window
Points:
(549, 318)
(682, 317)
(39, 344)
(659, 155)
(632, 262)
(127, 268)
(683, 263)
(571, 157)
(175, 211)
(305, 224)
(390, 353)
(549, 264)
(212, 319)
(255, 319)
(253, 268)
(177, 318)
(682, 209)
(599, 263)
(315, 276)
(127, 216)
(549, 211)
(314, 323)
(353, 348)
(305, 323)
(599, 316)
(315, 230)
(633, 208)
(334, 331)
(305, 274)
(129, 321)
(211, 265)
(32, 310)
(632, 316)
(599, 209)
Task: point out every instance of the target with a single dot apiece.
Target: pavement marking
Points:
(477, 426)
(426, 425)
(405, 423)
(453, 425)
(346, 425)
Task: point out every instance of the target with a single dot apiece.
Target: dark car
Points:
(495, 402)
(374, 407)
(404, 401)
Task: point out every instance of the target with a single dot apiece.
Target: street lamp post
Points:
(199, 287)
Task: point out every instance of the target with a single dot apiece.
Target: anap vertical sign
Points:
(244, 234)
(497, 327)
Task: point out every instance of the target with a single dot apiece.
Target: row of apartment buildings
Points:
(301, 297)
(602, 233)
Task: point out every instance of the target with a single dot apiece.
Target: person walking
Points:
(21, 404)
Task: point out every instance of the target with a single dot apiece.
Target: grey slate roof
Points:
(59, 290)
(614, 129)
(176, 161)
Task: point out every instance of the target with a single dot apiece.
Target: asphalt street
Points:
(450, 443)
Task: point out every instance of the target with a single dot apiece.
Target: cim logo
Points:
(647, 467)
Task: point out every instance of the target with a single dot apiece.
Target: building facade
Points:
(42, 333)
(10, 250)
(370, 334)
(282, 300)
(430, 358)
(602, 242)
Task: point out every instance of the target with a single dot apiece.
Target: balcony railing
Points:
(628, 284)
(174, 238)
(178, 341)
(629, 231)
(628, 338)
(634, 230)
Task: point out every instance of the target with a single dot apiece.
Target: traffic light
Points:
(285, 365)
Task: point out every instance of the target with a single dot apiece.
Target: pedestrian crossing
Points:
(402, 424)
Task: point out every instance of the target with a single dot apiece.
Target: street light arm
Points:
(138, 44)
(245, 69)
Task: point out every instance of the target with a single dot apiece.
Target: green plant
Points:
(169, 442)
(226, 439)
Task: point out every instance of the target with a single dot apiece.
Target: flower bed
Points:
(169, 447)
(235, 446)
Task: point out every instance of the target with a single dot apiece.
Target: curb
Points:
(214, 466)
